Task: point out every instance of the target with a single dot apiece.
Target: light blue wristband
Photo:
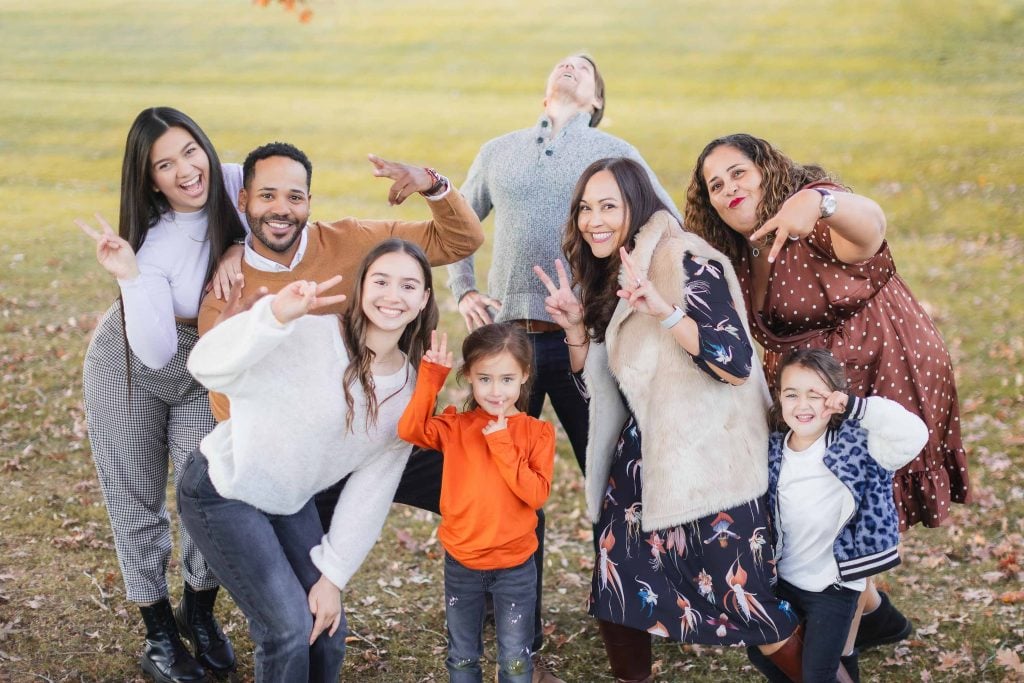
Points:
(673, 320)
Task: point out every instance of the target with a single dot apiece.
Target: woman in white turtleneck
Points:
(143, 408)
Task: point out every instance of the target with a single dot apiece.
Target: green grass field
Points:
(917, 104)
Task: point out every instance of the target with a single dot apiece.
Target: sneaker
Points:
(883, 626)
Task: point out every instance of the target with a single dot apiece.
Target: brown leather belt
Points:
(536, 326)
(191, 322)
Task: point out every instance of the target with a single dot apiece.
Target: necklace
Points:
(765, 243)
(391, 360)
(185, 230)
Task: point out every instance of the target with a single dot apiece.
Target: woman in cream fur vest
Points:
(677, 453)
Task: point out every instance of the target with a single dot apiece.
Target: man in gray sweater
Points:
(527, 177)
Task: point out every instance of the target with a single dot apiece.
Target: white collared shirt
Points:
(263, 263)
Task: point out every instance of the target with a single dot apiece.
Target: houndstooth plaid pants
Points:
(133, 435)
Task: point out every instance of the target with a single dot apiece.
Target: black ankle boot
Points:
(165, 657)
(198, 625)
(883, 626)
(850, 661)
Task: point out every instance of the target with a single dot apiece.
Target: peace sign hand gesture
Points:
(408, 179)
(642, 295)
(561, 304)
(113, 252)
(302, 297)
(438, 352)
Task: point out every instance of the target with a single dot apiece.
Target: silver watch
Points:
(828, 203)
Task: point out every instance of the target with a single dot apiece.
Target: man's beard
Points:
(257, 224)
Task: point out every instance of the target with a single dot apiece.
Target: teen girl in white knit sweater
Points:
(314, 398)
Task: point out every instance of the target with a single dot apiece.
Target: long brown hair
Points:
(414, 341)
(781, 178)
(598, 278)
(490, 340)
(819, 361)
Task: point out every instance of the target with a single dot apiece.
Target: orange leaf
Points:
(305, 15)
(1012, 597)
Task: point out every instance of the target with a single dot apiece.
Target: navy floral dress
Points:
(708, 581)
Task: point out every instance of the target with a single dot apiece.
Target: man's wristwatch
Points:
(828, 203)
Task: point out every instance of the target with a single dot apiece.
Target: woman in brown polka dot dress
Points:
(817, 272)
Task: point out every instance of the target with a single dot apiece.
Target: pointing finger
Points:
(377, 162)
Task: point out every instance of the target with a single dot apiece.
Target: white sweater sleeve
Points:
(360, 514)
(895, 435)
(222, 356)
(149, 316)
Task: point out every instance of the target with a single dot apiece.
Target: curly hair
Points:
(598, 278)
(781, 178)
(415, 339)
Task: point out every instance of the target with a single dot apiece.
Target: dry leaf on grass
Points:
(1008, 659)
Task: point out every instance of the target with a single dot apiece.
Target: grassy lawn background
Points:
(919, 105)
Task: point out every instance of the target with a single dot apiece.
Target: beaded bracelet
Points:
(439, 182)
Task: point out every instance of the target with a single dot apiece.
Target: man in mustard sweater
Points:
(283, 248)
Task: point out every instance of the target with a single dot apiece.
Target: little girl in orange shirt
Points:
(498, 464)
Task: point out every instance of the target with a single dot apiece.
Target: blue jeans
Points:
(827, 616)
(513, 592)
(552, 378)
(263, 561)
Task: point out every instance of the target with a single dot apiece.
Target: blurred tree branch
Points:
(299, 6)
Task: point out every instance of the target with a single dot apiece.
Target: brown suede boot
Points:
(628, 650)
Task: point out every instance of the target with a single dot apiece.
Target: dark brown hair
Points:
(598, 114)
(781, 178)
(598, 278)
(820, 361)
(142, 205)
(490, 340)
(414, 341)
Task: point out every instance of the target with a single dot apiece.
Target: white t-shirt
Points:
(813, 506)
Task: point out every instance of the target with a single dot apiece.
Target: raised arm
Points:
(895, 435)
(453, 233)
(857, 225)
(418, 425)
(145, 294)
(566, 310)
(710, 330)
(223, 355)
